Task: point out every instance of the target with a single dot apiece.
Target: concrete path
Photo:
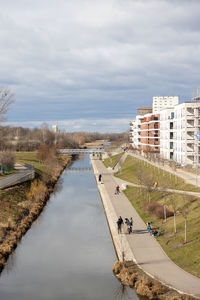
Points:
(121, 181)
(140, 246)
(23, 174)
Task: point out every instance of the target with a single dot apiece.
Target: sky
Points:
(89, 64)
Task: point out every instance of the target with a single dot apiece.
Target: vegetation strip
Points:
(130, 274)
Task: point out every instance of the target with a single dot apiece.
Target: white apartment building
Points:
(186, 133)
(161, 102)
(135, 131)
(180, 133)
(167, 133)
(132, 131)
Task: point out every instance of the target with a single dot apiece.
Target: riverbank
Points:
(30, 212)
(140, 247)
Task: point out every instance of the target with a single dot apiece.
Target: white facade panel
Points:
(162, 102)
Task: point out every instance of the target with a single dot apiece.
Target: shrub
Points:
(158, 210)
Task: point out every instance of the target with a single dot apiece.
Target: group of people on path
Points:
(153, 231)
(129, 224)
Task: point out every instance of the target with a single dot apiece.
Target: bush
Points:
(158, 210)
(7, 161)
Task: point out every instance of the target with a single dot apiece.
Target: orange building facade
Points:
(150, 133)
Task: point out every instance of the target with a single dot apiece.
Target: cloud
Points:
(90, 59)
(91, 125)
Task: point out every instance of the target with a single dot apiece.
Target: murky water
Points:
(68, 252)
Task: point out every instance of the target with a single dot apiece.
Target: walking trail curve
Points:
(139, 246)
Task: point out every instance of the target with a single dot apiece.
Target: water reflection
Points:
(68, 253)
(123, 292)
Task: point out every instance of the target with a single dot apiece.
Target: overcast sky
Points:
(89, 64)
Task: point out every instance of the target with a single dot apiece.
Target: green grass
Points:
(30, 158)
(187, 256)
(132, 166)
(112, 161)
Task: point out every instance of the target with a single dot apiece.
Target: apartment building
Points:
(174, 131)
(180, 133)
(135, 132)
(162, 102)
(167, 133)
(149, 133)
(132, 132)
(186, 133)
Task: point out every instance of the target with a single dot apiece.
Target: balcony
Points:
(190, 124)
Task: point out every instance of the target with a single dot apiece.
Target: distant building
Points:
(144, 110)
(55, 128)
(161, 102)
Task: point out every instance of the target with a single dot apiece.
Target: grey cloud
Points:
(83, 53)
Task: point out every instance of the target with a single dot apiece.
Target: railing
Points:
(17, 178)
(81, 151)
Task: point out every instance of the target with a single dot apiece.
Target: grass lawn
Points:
(30, 158)
(113, 160)
(187, 256)
(133, 169)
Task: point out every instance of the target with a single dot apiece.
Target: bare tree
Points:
(173, 165)
(7, 160)
(185, 212)
(6, 99)
(174, 204)
(165, 196)
(147, 180)
(139, 179)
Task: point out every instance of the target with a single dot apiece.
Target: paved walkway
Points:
(22, 175)
(140, 246)
(196, 194)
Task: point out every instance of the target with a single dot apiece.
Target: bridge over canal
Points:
(81, 151)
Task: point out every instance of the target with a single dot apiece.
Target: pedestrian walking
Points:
(100, 176)
(149, 227)
(117, 190)
(119, 224)
(130, 228)
(155, 185)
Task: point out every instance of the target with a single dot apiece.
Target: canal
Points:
(68, 252)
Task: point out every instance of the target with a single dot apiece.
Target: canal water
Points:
(68, 252)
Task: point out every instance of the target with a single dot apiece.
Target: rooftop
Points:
(145, 108)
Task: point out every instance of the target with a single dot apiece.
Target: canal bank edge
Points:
(15, 235)
(126, 269)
